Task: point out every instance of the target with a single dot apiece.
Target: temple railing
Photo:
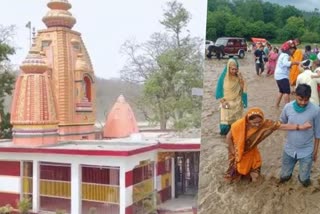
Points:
(100, 193)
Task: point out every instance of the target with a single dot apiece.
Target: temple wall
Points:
(10, 182)
(164, 175)
(126, 165)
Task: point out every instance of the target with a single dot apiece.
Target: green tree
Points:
(311, 37)
(314, 23)
(284, 13)
(259, 18)
(269, 30)
(218, 5)
(7, 78)
(250, 10)
(269, 11)
(169, 65)
(216, 23)
(256, 29)
(236, 27)
(293, 29)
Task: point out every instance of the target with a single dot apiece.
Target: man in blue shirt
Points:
(300, 145)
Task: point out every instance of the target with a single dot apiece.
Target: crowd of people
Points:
(297, 73)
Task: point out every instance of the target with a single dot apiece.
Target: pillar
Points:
(35, 186)
(173, 181)
(123, 195)
(76, 189)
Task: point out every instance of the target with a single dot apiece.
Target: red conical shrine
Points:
(121, 121)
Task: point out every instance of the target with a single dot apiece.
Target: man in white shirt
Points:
(306, 77)
(281, 75)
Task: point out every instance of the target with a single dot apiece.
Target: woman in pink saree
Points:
(273, 57)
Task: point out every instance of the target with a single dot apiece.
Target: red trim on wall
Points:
(11, 168)
(102, 152)
(9, 198)
(80, 152)
(141, 150)
(165, 194)
(129, 178)
(129, 210)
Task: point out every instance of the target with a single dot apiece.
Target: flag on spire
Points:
(28, 25)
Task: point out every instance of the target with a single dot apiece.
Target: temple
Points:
(59, 160)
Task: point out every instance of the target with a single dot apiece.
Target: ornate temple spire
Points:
(33, 113)
(121, 121)
(33, 63)
(59, 16)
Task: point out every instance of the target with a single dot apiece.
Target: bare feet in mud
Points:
(254, 176)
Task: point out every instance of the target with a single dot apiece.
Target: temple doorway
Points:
(186, 173)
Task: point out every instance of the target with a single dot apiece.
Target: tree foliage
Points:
(168, 66)
(257, 18)
(7, 78)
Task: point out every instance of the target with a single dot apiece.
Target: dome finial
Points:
(59, 16)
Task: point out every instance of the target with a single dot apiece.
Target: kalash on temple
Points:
(58, 160)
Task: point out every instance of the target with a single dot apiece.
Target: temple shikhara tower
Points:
(59, 160)
(34, 115)
(71, 79)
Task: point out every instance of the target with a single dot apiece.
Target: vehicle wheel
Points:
(241, 54)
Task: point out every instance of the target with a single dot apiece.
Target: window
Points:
(76, 46)
(87, 88)
(45, 43)
(230, 43)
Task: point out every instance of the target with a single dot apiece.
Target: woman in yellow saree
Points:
(231, 91)
(243, 139)
(295, 69)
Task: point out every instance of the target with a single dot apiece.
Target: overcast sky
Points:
(105, 25)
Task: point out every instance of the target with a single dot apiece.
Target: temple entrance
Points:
(186, 173)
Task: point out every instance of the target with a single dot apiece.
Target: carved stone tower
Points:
(33, 113)
(70, 71)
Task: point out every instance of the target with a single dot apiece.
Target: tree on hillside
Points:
(269, 11)
(236, 27)
(250, 10)
(284, 13)
(257, 18)
(216, 23)
(7, 78)
(294, 28)
(168, 65)
(218, 5)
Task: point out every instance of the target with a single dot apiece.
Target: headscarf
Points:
(306, 64)
(239, 131)
(229, 87)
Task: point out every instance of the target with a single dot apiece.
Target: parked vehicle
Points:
(228, 46)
